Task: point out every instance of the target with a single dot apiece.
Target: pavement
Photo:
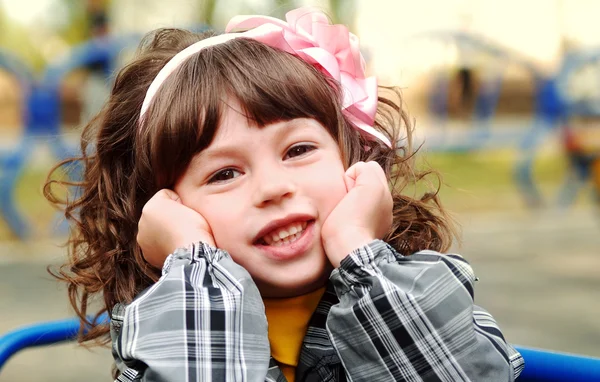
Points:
(538, 276)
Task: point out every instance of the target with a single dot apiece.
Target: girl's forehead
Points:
(235, 127)
(234, 119)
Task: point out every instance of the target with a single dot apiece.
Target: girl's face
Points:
(265, 192)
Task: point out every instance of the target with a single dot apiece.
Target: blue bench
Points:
(540, 365)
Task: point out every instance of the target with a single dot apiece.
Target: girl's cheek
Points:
(221, 241)
(224, 232)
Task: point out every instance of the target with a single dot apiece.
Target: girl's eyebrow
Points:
(228, 149)
(215, 153)
(297, 125)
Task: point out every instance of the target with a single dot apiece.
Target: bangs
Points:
(273, 86)
(269, 84)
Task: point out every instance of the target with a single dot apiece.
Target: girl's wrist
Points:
(339, 246)
(186, 241)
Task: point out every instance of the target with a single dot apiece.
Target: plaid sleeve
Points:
(413, 319)
(202, 321)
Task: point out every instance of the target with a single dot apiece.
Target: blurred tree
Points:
(15, 38)
(77, 28)
(343, 12)
(208, 12)
(282, 6)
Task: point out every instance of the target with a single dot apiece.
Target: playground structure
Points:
(554, 109)
(482, 92)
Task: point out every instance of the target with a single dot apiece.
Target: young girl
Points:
(271, 170)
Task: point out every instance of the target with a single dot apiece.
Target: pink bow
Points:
(331, 48)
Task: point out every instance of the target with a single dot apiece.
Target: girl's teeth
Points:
(285, 236)
(287, 240)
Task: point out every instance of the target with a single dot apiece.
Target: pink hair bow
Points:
(308, 35)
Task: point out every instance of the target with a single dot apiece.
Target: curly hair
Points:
(126, 162)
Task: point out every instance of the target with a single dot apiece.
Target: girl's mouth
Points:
(284, 235)
(289, 241)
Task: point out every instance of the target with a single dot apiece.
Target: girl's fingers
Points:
(378, 170)
(368, 172)
(172, 195)
(351, 174)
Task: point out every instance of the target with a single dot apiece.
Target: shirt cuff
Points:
(362, 262)
(195, 252)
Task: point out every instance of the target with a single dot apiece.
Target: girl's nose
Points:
(273, 185)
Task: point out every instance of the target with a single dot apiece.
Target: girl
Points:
(268, 166)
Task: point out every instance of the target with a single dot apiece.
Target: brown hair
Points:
(126, 163)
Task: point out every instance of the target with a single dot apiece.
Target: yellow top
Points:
(288, 321)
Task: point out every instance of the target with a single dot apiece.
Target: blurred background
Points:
(506, 99)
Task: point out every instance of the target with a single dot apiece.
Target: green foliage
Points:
(18, 39)
(486, 180)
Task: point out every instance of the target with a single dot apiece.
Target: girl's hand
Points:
(363, 215)
(166, 224)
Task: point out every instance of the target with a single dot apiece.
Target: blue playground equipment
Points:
(43, 116)
(11, 159)
(550, 109)
(540, 365)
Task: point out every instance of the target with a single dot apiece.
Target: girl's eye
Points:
(224, 175)
(299, 150)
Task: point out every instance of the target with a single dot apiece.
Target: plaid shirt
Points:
(383, 317)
